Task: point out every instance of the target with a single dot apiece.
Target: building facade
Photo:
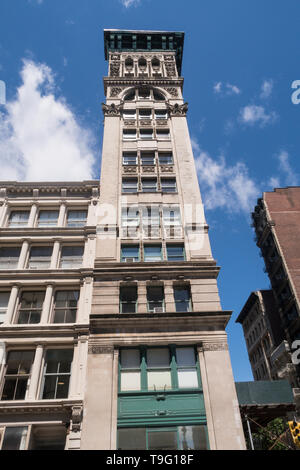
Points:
(276, 223)
(159, 373)
(144, 364)
(262, 331)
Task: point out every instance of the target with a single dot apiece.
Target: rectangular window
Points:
(15, 438)
(161, 114)
(158, 369)
(165, 158)
(186, 368)
(18, 219)
(76, 218)
(129, 185)
(168, 185)
(144, 94)
(30, 309)
(147, 158)
(146, 134)
(129, 134)
(9, 257)
(145, 113)
(162, 134)
(182, 297)
(17, 373)
(128, 299)
(57, 374)
(71, 257)
(65, 306)
(151, 222)
(48, 437)
(129, 158)
(129, 114)
(130, 222)
(149, 185)
(130, 253)
(130, 364)
(4, 299)
(48, 218)
(40, 257)
(152, 253)
(171, 216)
(175, 252)
(155, 299)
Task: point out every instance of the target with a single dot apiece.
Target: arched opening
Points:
(130, 95)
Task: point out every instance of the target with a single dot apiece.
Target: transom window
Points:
(18, 219)
(161, 368)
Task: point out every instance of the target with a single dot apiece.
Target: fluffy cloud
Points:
(290, 177)
(130, 3)
(253, 114)
(40, 137)
(227, 187)
(226, 89)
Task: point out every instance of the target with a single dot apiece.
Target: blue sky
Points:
(240, 59)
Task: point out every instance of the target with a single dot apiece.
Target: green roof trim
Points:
(117, 40)
(264, 392)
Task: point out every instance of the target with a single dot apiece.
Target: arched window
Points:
(129, 63)
(155, 64)
(142, 63)
(158, 96)
(130, 96)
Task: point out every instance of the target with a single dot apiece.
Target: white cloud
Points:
(266, 89)
(223, 186)
(227, 89)
(274, 182)
(291, 178)
(40, 137)
(253, 114)
(130, 3)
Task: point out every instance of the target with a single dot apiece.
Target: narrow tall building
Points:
(158, 371)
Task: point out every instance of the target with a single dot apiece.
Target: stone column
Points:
(45, 315)
(11, 304)
(35, 373)
(85, 301)
(89, 252)
(225, 427)
(99, 406)
(62, 213)
(3, 213)
(23, 254)
(32, 215)
(55, 255)
(79, 368)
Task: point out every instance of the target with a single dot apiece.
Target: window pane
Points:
(45, 437)
(192, 438)
(76, 218)
(185, 357)
(159, 380)
(48, 218)
(4, 299)
(18, 219)
(132, 439)
(162, 440)
(152, 253)
(130, 381)
(19, 362)
(14, 438)
(9, 257)
(129, 185)
(158, 357)
(175, 252)
(187, 378)
(130, 252)
(130, 359)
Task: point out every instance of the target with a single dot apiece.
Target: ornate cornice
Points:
(120, 83)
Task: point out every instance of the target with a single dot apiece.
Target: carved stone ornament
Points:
(215, 346)
(169, 57)
(129, 169)
(129, 122)
(170, 69)
(145, 122)
(76, 418)
(115, 91)
(161, 122)
(115, 57)
(177, 109)
(172, 91)
(148, 169)
(166, 169)
(114, 69)
(97, 349)
(111, 109)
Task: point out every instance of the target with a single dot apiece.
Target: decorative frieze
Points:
(172, 91)
(170, 69)
(148, 169)
(161, 122)
(166, 169)
(115, 91)
(145, 122)
(100, 349)
(220, 346)
(129, 169)
(130, 122)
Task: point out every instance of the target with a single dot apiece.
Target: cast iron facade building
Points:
(145, 363)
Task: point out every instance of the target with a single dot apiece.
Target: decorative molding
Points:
(114, 69)
(129, 169)
(170, 69)
(148, 169)
(222, 346)
(76, 418)
(172, 91)
(115, 91)
(166, 169)
(111, 109)
(129, 122)
(177, 109)
(100, 349)
(145, 122)
(161, 122)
